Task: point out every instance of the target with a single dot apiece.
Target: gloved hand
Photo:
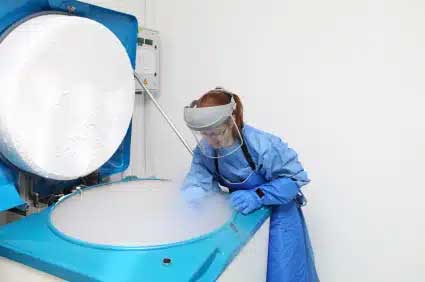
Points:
(245, 201)
(193, 196)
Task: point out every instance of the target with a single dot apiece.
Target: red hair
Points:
(218, 97)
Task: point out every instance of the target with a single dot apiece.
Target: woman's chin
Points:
(216, 146)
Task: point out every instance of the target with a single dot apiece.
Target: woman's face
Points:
(220, 136)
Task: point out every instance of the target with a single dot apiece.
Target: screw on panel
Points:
(234, 228)
(71, 9)
(166, 261)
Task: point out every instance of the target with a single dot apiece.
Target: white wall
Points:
(342, 82)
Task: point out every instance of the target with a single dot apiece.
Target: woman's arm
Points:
(199, 181)
(284, 173)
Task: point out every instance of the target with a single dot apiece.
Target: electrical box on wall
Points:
(147, 63)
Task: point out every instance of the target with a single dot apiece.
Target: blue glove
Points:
(245, 201)
(193, 196)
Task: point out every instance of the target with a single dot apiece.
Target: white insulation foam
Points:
(66, 96)
(138, 213)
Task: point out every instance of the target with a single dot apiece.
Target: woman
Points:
(259, 169)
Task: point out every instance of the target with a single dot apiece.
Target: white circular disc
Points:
(67, 94)
(138, 213)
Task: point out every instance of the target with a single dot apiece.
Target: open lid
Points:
(123, 26)
(71, 81)
(9, 197)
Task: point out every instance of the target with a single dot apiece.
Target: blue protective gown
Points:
(280, 175)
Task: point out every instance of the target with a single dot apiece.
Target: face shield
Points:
(214, 129)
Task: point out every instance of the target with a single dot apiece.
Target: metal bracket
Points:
(158, 106)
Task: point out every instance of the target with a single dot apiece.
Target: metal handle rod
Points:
(158, 106)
